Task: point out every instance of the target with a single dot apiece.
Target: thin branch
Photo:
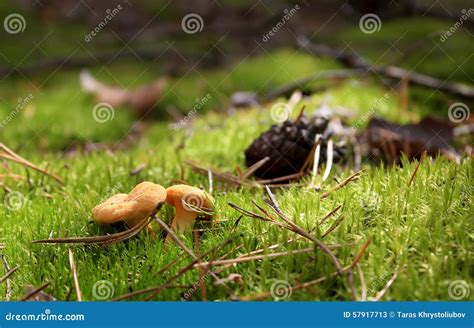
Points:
(363, 285)
(331, 213)
(351, 178)
(325, 75)
(8, 274)
(178, 241)
(255, 167)
(74, 275)
(274, 205)
(34, 292)
(253, 258)
(386, 287)
(105, 240)
(7, 279)
(12, 156)
(423, 156)
(182, 271)
(393, 72)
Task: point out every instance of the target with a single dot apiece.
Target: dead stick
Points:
(8, 274)
(253, 258)
(393, 72)
(35, 291)
(423, 155)
(74, 276)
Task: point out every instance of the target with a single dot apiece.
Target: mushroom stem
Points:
(183, 220)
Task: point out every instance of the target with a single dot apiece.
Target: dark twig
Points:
(308, 284)
(8, 274)
(351, 178)
(393, 72)
(295, 228)
(178, 241)
(324, 75)
(333, 227)
(255, 167)
(105, 240)
(34, 292)
(327, 216)
(253, 258)
(182, 271)
(423, 156)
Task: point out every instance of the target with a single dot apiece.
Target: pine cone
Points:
(288, 145)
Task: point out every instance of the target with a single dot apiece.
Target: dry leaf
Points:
(140, 100)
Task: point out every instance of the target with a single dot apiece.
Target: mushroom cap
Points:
(189, 198)
(132, 207)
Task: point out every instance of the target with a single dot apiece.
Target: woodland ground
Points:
(423, 232)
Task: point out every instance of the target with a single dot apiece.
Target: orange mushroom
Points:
(189, 202)
(131, 208)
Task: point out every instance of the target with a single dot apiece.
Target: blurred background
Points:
(226, 46)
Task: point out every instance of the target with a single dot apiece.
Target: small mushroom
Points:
(189, 202)
(131, 208)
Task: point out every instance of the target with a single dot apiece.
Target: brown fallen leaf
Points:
(390, 140)
(140, 100)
